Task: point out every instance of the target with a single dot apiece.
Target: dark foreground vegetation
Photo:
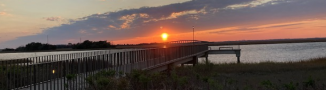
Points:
(305, 75)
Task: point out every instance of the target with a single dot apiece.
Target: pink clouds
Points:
(111, 26)
(4, 14)
(128, 20)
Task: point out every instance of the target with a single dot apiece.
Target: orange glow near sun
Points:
(164, 36)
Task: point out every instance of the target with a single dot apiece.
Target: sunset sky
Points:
(143, 21)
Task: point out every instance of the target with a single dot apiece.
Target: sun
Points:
(165, 36)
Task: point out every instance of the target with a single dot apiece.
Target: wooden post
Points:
(195, 60)
(238, 54)
(170, 68)
(206, 57)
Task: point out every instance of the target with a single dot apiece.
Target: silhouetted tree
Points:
(35, 46)
(8, 49)
(21, 48)
(90, 45)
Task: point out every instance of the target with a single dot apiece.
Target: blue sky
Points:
(142, 21)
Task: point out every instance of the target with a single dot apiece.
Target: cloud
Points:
(237, 30)
(261, 28)
(253, 4)
(180, 17)
(113, 27)
(285, 25)
(54, 18)
(4, 13)
(128, 20)
(193, 13)
(82, 31)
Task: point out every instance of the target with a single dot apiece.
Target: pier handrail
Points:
(51, 71)
(220, 48)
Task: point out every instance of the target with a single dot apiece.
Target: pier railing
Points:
(59, 72)
(225, 47)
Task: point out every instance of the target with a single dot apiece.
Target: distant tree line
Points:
(8, 49)
(36, 46)
(92, 44)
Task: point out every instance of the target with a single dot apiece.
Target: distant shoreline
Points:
(244, 42)
(55, 50)
(272, 41)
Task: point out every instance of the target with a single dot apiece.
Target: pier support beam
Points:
(238, 54)
(171, 67)
(206, 57)
(195, 60)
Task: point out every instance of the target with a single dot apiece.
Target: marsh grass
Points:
(312, 64)
(303, 75)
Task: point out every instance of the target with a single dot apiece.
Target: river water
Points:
(290, 52)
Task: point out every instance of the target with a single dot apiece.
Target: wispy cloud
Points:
(3, 13)
(128, 19)
(237, 30)
(253, 4)
(82, 31)
(260, 28)
(193, 15)
(54, 18)
(285, 25)
(112, 27)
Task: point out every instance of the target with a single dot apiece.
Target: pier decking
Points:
(49, 72)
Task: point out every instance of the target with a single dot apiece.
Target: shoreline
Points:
(246, 42)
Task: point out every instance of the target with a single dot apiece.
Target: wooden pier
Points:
(49, 72)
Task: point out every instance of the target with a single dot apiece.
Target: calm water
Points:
(274, 52)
